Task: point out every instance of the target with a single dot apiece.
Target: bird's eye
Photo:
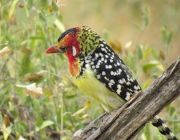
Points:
(63, 49)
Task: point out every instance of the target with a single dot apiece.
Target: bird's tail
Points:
(163, 129)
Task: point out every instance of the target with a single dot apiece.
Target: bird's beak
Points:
(52, 49)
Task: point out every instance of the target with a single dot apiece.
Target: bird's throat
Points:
(73, 65)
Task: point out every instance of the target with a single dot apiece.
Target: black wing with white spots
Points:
(112, 71)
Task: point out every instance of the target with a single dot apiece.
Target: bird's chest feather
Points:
(91, 86)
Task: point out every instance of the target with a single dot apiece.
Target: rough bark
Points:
(128, 120)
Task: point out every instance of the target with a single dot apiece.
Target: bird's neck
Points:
(88, 41)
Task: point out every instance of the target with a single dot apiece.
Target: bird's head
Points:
(66, 43)
(75, 43)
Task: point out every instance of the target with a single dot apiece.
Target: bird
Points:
(99, 72)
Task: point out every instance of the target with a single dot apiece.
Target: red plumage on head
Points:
(68, 43)
(72, 45)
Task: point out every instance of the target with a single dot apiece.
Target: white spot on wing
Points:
(101, 45)
(136, 87)
(127, 96)
(96, 55)
(118, 89)
(111, 82)
(112, 73)
(98, 76)
(87, 66)
(128, 83)
(121, 81)
(103, 73)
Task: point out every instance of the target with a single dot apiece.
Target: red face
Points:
(69, 45)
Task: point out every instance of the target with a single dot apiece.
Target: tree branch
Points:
(125, 122)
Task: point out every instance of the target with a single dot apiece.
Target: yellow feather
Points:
(91, 86)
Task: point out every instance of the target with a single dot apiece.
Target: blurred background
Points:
(37, 98)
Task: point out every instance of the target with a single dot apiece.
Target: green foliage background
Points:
(145, 34)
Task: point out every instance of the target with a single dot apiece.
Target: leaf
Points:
(12, 8)
(4, 51)
(26, 64)
(145, 16)
(59, 25)
(150, 65)
(139, 52)
(166, 35)
(146, 83)
(35, 77)
(147, 132)
(171, 110)
(147, 52)
(80, 111)
(31, 89)
(21, 138)
(44, 125)
(116, 46)
(162, 55)
(6, 131)
(37, 37)
(7, 120)
(128, 44)
(59, 3)
(85, 116)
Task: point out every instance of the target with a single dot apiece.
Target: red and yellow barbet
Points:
(99, 72)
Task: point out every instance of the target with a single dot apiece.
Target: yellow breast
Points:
(91, 86)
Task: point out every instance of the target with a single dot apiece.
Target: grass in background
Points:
(37, 98)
